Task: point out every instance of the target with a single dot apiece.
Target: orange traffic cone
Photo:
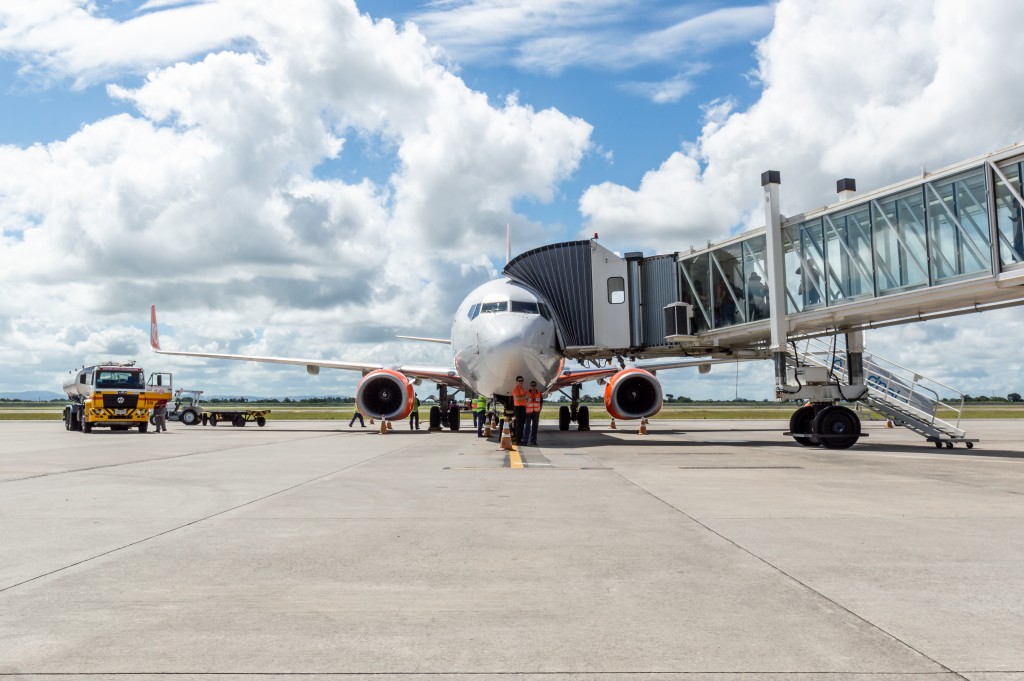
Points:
(613, 426)
(643, 426)
(371, 420)
(390, 424)
(506, 437)
(383, 427)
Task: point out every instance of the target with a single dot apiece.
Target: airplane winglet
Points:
(154, 336)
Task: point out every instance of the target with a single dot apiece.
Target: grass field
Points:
(782, 412)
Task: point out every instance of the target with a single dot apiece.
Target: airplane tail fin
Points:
(154, 336)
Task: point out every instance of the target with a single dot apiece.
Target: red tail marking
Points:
(154, 337)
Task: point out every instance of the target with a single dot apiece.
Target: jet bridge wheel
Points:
(802, 423)
(837, 427)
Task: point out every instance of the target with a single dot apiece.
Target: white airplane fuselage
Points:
(503, 330)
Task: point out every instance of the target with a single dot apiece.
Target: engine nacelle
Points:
(632, 394)
(385, 394)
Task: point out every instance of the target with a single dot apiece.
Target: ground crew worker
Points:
(534, 398)
(479, 414)
(415, 415)
(160, 416)
(519, 401)
(357, 415)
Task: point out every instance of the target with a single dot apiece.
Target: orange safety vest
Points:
(519, 396)
(534, 400)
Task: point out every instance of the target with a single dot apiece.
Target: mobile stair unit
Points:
(904, 397)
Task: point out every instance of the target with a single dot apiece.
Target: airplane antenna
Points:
(508, 242)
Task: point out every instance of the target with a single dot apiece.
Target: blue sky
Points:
(346, 170)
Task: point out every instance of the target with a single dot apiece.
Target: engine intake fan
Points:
(385, 394)
(633, 394)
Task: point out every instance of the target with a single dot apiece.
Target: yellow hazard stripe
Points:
(514, 460)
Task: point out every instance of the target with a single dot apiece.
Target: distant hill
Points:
(33, 396)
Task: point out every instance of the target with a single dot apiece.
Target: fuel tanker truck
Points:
(113, 396)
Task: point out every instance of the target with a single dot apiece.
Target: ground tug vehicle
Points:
(187, 410)
(113, 395)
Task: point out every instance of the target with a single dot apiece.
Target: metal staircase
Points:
(902, 396)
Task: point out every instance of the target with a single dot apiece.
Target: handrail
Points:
(890, 382)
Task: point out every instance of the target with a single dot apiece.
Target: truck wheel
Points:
(86, 426)
(261, 421)
(213, 419)
(143, 427)
(206, 419)
(189, 417)
(67, 419)
(239, 421)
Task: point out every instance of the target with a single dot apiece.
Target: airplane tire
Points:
(583, 419)
(454, 420)
(802, 422)
(840, 425)
(563, 418)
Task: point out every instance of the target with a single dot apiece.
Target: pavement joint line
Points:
(795, 580)
(138, 461)
(203, 519)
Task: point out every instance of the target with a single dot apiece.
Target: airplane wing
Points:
(572, 376)
(438, 375)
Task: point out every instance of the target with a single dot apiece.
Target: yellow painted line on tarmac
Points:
(514, 460)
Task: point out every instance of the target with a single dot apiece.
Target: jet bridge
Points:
(945, 243)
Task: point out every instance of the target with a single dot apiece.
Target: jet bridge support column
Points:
(770, 181)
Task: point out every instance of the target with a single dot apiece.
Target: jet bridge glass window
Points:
(616, 290)
(1008, 215)
(495, 306)
(525, 307)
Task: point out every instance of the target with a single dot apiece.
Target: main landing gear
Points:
(828, 425)
(574, 412)
(446, 413)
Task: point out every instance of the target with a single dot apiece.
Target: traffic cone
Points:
(613, 426)
(390, 424)
(506, 437)
(643, 426)
(888, 423)
(383, 427)
(371, 420)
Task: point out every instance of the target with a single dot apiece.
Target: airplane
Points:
(501, 330)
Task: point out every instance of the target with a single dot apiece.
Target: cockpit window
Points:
(496, 306)
(474, 311)
(544, 311)
(525, 307)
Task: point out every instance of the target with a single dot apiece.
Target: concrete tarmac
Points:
(704, 550)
